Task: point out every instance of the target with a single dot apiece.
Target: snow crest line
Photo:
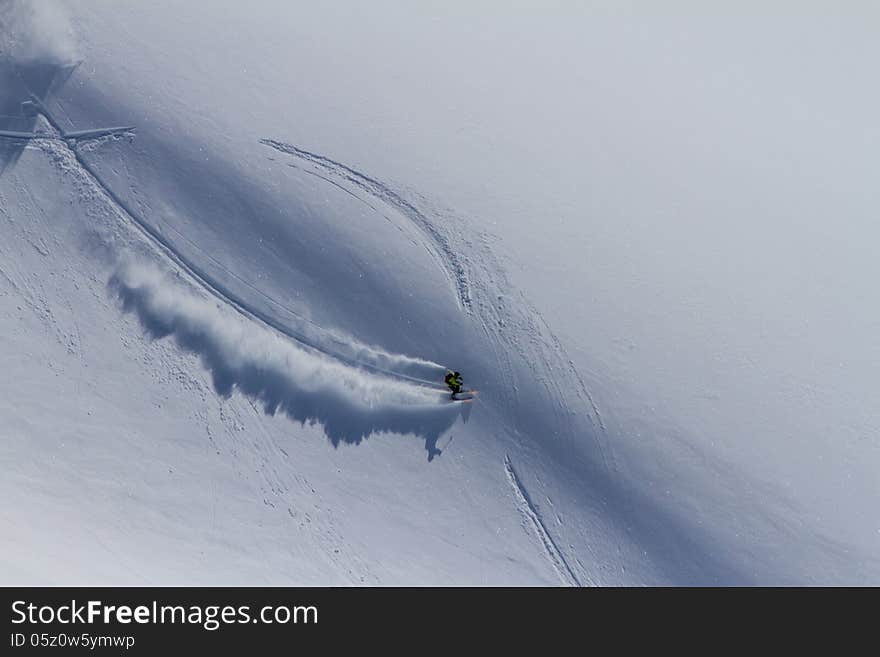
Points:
(527, 509)
(447, 259)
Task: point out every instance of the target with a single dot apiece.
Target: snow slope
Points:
(225, 330)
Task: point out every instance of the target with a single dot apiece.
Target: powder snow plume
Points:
(32, 31)
(308, 386)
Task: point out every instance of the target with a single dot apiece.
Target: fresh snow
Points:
(241, 244)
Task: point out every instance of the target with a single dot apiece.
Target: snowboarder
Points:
(454, 382)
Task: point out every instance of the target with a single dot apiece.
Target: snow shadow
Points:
(17, 83)
(350, 404)
(38, 53)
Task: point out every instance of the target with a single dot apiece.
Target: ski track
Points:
(508, 328)
(205, 281)
(437, 244)
(530, 514)
(445, 253)
(442, 253)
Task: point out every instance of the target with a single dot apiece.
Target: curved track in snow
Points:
(444, 256)
(512, 331)
(455, 266)
(347, 351)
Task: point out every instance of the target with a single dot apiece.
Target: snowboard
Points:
(464, 396)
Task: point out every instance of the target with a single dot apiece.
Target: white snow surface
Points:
(242, 242)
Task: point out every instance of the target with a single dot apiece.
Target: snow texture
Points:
(241, 247)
